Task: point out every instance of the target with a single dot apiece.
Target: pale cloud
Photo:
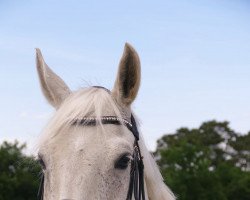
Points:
(149, 136)
(42, 116)
(23, 114)
(37, 116)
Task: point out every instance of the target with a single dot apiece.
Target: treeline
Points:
(211, 162)
(19, 173)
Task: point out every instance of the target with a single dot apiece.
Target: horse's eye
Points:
(123, 161)
(41, 162)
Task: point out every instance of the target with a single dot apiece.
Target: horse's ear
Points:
(128, 78)
(53, 87)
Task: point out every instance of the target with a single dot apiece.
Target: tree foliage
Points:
(208, 163)
(19, 173)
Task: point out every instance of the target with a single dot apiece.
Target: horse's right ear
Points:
(53, 87)
(128, 78)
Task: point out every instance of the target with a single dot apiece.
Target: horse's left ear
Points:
(128, 78)
(53, 87)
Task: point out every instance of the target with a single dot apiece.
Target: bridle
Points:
(136, 183)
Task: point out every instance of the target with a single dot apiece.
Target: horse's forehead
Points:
(92, 139)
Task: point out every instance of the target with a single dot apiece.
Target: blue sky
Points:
(195, 59)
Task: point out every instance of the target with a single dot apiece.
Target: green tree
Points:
(208, 163)
(19, 173)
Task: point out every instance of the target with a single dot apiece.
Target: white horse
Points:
(93, 162)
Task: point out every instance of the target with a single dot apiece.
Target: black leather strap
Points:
(41, 187)
(136, 183)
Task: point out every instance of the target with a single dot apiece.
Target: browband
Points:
(93, 121)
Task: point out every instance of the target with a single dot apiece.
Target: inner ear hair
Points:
(129, 76)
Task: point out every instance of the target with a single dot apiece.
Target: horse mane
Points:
(92, 102)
